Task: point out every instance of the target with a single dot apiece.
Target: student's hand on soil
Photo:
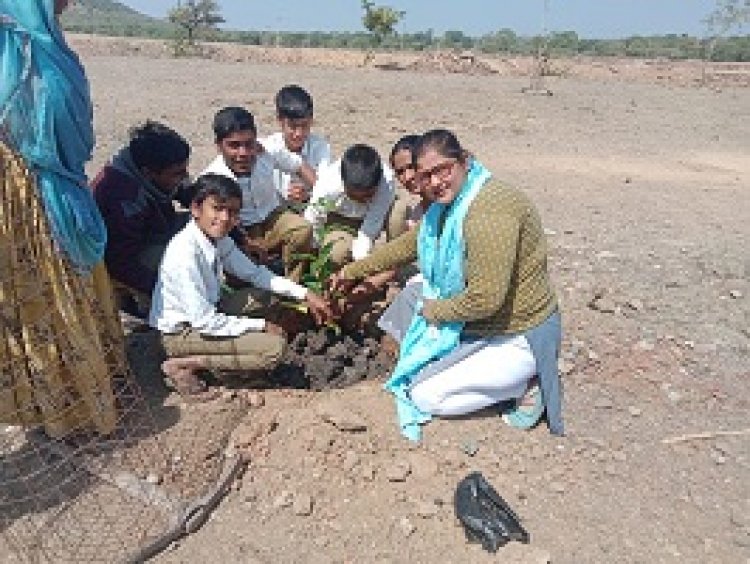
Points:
(319, 308)
(274, 329)
(337, 284)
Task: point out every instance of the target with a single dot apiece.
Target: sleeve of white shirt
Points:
(236, 262)
(284, 159)
(191, 293)
(316, 213)
(322, 158)
(374, 219)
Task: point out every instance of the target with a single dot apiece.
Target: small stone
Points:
(426, 510)
(153, 479)
(470, 447)
(557, 487)
(229, 395)
(635, 411)
(406, 527)
(634, 304)
(610, 470)
(303, 505)
(718, 458)
(741, 538)
(603, 403)
(735, 294)
(550, 232)
(398, 471)
(644, 345)
(565, 366)
(350, 460)
(740, 514)
(619, 456)
(343, 419)
(256, 399)
(368, 473)
(284, 499)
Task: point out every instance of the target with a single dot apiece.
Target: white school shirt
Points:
(328, 192)
(316, 152)
(188, 287)
(259, 194)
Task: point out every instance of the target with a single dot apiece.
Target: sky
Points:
(589, 18)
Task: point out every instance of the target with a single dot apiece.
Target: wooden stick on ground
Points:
(704, 436)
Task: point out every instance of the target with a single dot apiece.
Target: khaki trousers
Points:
(249, 351)
(288, 231)
(341, 252)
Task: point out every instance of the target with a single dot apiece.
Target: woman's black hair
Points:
(156, 147)
(442, 141)
(221, 187)
(406, 143)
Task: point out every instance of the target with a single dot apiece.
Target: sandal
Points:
(526, 411)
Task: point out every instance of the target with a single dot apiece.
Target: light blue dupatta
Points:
(441, 261)
(46, 115)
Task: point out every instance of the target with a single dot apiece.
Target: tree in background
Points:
(380, 21)
(727, 15)
(195, 16)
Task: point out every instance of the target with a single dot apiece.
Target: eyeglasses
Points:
(440, 171)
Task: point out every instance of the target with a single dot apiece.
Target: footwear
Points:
(526, 411)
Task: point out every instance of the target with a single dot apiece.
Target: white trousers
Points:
(498, 371)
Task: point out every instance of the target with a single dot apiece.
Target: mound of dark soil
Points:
(321, 359)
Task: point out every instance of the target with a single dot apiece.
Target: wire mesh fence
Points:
(97, 462)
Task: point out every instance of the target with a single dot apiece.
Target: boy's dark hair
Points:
(294, 102)
(444, 142)
(361, 169)
(406, 143)
(231, 120)
(221, 187)
(155, 146)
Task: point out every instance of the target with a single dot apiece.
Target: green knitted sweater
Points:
(507, 284)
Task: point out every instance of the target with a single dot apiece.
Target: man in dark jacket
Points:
(135, 193)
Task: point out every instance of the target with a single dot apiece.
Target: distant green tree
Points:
(380, 21)
(195, 16)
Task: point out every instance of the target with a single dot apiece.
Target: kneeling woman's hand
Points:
(274, 329)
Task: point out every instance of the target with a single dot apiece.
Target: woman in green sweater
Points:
(486, 328)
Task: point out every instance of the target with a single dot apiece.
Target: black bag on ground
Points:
(486, 517)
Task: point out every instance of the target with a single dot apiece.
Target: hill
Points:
(109, 17)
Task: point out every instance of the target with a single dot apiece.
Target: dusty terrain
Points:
(643, 185)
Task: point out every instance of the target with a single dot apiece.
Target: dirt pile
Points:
(321, 359)
(454, 63)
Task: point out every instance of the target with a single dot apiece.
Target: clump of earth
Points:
(324, 358)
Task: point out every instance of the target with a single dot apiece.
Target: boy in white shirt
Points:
(201, 329)
(358, 194)
(294, 112)
(266, 225)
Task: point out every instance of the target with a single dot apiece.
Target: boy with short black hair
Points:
(201, 328)
(134, 193)
(294, 112)
(266, 224)
(357, 193)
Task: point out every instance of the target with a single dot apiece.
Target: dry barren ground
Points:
(643, 186)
